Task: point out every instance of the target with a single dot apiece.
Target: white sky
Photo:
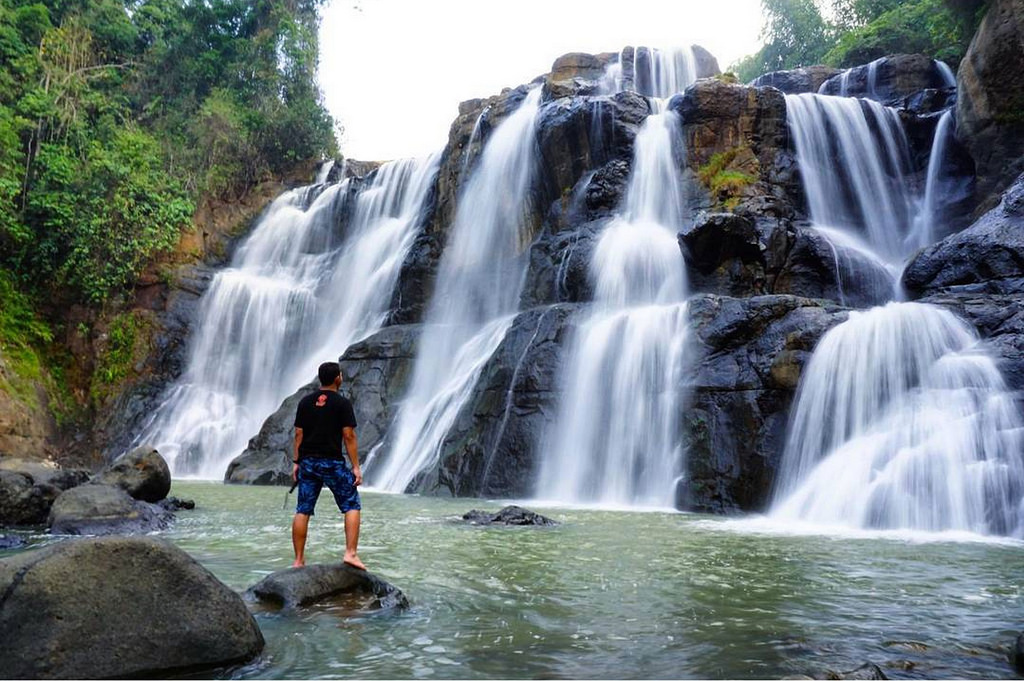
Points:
(394, 71)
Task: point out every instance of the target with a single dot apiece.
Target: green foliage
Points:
(928, 27)
(117, 116)
(115, 364)
(851, 32)
(724, 182)
(22, 335)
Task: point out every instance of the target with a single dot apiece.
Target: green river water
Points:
(611, 594)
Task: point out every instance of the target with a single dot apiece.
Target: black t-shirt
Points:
(321, 416)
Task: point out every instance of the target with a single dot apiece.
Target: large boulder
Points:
(103, 509)
(576, 73)
(750, 353)
(267, 460)
(142, 473)
(990, 106)
(889, 79)
(796, 81)
(118, 607)
(28, 489)
(987, 257)
(301, 587)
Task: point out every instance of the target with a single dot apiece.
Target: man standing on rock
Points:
(324, 422)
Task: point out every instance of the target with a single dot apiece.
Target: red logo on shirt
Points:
(321, 401)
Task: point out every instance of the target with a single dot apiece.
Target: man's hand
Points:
(295, 472)
(356, 471)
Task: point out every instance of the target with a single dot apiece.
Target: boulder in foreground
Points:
(118, 607)
(510, 515)
(300, 587)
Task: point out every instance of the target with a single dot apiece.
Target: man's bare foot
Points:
(299, 563)
(353, 560)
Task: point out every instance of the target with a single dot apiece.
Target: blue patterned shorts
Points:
(315, 473)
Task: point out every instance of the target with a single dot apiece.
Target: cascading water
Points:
(853, 158)
(903, 422)
(658, 73)
(475, 298)
(616, 439)
(297, 292)
(928, 223)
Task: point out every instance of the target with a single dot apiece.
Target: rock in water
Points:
(117, 607)
(176, 504)
(142, 473)
(796, 81)
(1017, 654)
(10, 541)
(102, 509)
(28, 489)
(866, 672)
(510, 515)
(299, 587)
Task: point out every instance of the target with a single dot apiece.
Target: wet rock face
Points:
(987, 257)
(743, 130)
(305, 586)
(888, 80)
(796, 81)
(736, 254)
(491, 450)
(142, 473)
(118, 607)
(104, 510)
(990, 107)
(750, 353)
(375, 372)
(510, 515)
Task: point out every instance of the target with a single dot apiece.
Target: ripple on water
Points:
(615, 594)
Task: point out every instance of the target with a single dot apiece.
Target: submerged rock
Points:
(510, 515)
(142, 473)
(300, 587)
(987, 257)
(102, 510)
(1017, 654)
(175, 504)
(29, 488)
(866, 672)
(118, 607)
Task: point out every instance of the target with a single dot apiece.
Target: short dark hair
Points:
(329, 372)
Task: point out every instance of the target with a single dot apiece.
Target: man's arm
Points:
(295, 455)
(351, 446)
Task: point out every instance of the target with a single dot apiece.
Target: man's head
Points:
(330, 374)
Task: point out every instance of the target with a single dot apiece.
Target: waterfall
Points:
(475, 298)
(296, 293)
(853, 158)
(927, 224)
(616, 439)
(903, 422)
(947, 73)
(663, 73)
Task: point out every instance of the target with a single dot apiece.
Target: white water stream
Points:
(298, 292)
(475, 299)
(616, 439)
